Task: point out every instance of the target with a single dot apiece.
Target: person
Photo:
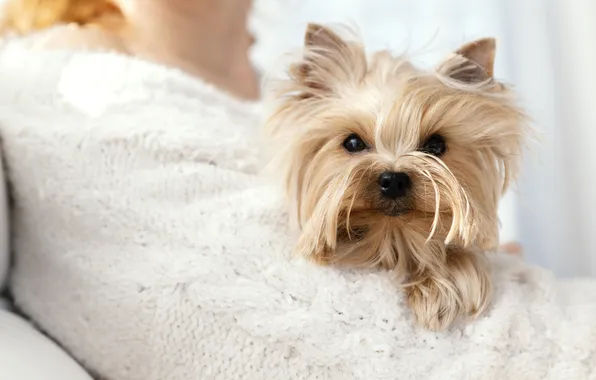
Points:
(207, 39)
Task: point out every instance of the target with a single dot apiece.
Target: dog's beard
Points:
(350, 222)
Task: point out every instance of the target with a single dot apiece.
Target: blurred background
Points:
(546, 49)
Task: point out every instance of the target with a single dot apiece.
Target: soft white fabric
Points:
(146, 245)
(26, 354)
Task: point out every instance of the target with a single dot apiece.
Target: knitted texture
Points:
(148, 247)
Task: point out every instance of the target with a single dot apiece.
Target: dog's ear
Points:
(482, 53)
(328, 60)
(471, 63)
(322, 38)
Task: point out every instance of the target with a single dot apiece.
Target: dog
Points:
(388, 165)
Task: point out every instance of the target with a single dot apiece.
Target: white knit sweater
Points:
(146, 245)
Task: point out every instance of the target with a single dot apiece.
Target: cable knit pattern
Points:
(148, 247)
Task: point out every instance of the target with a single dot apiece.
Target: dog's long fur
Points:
(451, 217)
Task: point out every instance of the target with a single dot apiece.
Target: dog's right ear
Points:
(328, 60)
(322, 38)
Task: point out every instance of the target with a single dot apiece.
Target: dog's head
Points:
(380, 157)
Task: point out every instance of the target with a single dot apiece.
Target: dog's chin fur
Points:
(437, 235)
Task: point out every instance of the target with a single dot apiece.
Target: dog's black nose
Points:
(394, 185)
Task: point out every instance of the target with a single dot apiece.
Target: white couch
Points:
(26, 354)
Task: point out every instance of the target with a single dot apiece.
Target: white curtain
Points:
(546, 48)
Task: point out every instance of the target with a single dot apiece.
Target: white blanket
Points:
(146, 245)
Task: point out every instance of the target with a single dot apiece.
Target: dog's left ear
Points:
(471, 63)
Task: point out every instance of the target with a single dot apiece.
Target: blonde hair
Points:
(25, 16)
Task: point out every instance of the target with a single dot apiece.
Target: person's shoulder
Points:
(71, 37)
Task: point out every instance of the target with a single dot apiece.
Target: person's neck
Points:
(208, 39)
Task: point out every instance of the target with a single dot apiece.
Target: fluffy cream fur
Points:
(442, 229)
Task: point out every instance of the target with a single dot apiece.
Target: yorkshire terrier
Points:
(387, 165)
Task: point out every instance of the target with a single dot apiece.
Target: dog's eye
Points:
(434, 145)
(353, 143)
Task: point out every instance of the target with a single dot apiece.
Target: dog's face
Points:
(381, 158)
